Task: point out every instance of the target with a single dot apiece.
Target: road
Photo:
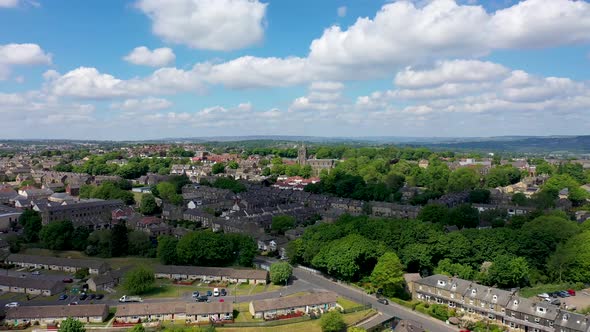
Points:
(388, 311)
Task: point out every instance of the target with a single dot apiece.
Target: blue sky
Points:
(109, 69)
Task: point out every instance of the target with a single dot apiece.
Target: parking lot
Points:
(580, 301)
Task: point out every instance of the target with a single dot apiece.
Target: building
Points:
(497, 306)
(8, 216)
(302, 304)
(95, 214)
(105, 281)
(317, 165)
(57, 263)
(53, 314)
(250, 276)
(405, 325)
(30, 286)
(190, 313)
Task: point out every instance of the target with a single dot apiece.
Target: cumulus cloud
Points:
(207, 24)
(146, 104)
(8, 3)
(21, 55)
(341, 11)
(159, 57)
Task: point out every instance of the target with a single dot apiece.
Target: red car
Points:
(221, 300)
(571, 292)
(68, 280)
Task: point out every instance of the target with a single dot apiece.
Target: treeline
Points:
(225, 183)
(207, 248)
(109, 190)
(136, 167)
(171, 190)
(542, 249)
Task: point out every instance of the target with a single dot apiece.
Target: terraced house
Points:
(497, 306)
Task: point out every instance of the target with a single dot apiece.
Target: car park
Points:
(12, 305)
(63, 297)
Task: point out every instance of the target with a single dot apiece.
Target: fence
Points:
(356, 309)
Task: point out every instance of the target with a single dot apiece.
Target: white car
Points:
(36, 273)
(215, 292)
(543, 295)
(12, 305)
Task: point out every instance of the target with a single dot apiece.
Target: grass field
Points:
(347, 304)
(309, 326)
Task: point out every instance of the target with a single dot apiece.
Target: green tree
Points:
(30, 220)
(57, 235)
(139, 244)
(464, 216)
(167, 250)
(508, 271)
(463, 179)
(99, 243)
(332, 321)
(571, 261)
(282, 223)
(120, 240)
(434, 213)
(233, 164)
(148, 205)
(71, 325)
(446, 267)
(388, 275)
(80, 238)
(139, 280)
(280, 273)
(479, 196)
(519, 199)
(218, 168)
(81, 273)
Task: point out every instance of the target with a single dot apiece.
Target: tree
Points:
(218, 168)
(80, 238)
(57, 235)
(332, 321)
(233, 164)
(282, 223)
(140, 280)
(571, 261)
(119, 240)
(434, 213)
(464, 216)
(139, 244)
(81, 273)
(167, 250)
(479, 196)
(388, 274)
(148, 205)
(446, 267)
(463, 179)
(99, 243)
(519, 199)
(508, 271)
(280, 273)
(71, 325)
(31, 222)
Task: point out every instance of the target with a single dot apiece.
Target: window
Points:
(441, 283)
(526, 318)
(541, 309)
(537, 320)
(515, 302)
(495, 298)
(473, 292)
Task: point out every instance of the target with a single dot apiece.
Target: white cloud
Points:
(341, 11)
(8, 3)
(207, 24)
(146, 104)
(322, 96)
(20, 55)
(159, 57)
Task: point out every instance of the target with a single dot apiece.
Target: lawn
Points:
(308, 326)
(163, 289)
(347, 304)
(242, 313)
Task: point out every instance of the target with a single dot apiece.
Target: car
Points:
(23, 275)
(63, 297)
(209, 293)
(223, 292)
(221, 300)
(383, 301)
(571, 292)
(562, 294)
(83, 297)
(203, 298)
(73, 303)
(216, 292)
(555, 302)
(36, 273)
(92, 296)
(99, 296)
(196, 294)
(68, 280)
(12, 305)
(543, 295)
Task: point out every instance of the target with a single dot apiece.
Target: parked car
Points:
(221, 300)
(555, 302)
(383, 301)
(12, 305)
(203, 298)
(196, 294)
(91, 296)
(73, 303)
(99, 296)
(216, 292)
(563, 294)
(63, 297)
(36, 273)
(209, 293)
(571, 292)
(223, 292)
(83, 297)
(68, 280)
(543, 295)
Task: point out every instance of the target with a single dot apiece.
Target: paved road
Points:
(389, 311)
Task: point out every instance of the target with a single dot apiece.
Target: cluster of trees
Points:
(109, 190)
(226, 183)
(62, 235)
(171, 190)
(139, 280)
(136, 167)
(206, 248)
(277, 167)
(540, 249)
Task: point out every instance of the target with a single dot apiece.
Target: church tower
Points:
(302, 155)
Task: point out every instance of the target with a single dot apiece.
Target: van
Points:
(215, 292)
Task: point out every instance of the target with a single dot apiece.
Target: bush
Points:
(332, 322)
(81, 274)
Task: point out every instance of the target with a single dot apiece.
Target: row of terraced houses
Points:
(497, 306)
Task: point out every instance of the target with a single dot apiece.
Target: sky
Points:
(148, 69)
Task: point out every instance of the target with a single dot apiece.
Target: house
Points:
(53, 314)
(30, 286)
(250, 276)
(58, 263)
(302, 304)
(105, 281)
(8, 216)
(190, 313)
(405, 325)
(94, 214)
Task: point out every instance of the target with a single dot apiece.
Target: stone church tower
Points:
(302, 155)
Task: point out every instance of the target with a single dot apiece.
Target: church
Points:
(317, 165)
